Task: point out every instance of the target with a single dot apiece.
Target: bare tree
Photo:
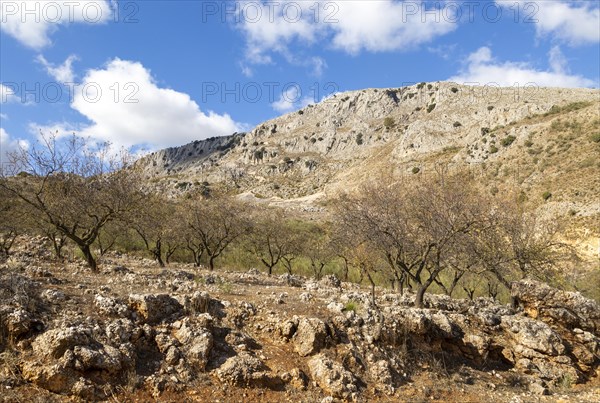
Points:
(514, 244)
(12, 221)
(158, 225)
(215, 223)
(417, 229)
(73, 187)
(271, 239)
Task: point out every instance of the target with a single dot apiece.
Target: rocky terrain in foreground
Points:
(136, 332)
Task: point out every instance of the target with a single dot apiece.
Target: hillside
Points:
(137, 333)
(543, 141)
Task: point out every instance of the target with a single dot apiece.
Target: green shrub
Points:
(416, 170)
(420, 85)
(493, 149)
(595, 137)
(430, 108)
(351, 306)
(508, 140)
(454, 90)
(389, 122)
(528, 143)
(546, 195)
(490, 108)
(485, 130)
(359, 138)
(457, 124)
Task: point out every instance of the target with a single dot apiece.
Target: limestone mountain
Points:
(545, 141)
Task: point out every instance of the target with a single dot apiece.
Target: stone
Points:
(155, 308)
(332, 377)
(310, 336)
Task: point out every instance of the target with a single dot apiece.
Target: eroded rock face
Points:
(54, 343)
(309, 337)
(562, 308)
(155, 308)
(332, 377)
(246, 370)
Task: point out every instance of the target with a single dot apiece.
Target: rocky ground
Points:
(136, 332)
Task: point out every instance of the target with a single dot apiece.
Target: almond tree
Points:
(271, 239)
(157, 224)
(417, 229)
(215, 223)
(73, 186)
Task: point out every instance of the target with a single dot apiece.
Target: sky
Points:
(154, 73)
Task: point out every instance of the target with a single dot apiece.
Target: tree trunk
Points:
(419, 298)
(89, 257)
(211, 263)
(421, 291)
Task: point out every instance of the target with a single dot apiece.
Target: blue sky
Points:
(152, 74)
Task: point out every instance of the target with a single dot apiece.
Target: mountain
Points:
(543, 140)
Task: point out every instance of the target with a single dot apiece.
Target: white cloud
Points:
(3, 116)
(575, 22)
(291, 99)
(140, 112)
(62, 73)
(558, 61)
(348, 26)
(483, 69)
(7, 144)
(246, 71)
(33, 22)
(7, 94)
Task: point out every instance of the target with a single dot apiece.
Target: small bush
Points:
(457, 124)
(485, 130)
(420, 85)
(595, 137)
(359, 138)
(490, 108)
(416, 170)
(508, 140)
(351, 306)
(454, 90)
(389, 122)
(493, 149)
(528, 143)
(546, 195)
(430, 108)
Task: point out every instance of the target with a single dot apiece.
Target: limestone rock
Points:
(332, 377)
(155, 308)
(310, 336)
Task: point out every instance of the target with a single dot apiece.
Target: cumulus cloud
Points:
(574, 22)
(33, 22)
(62, 73)
(127, 107)
(482, 68)
(348, 26)
(291, 99)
